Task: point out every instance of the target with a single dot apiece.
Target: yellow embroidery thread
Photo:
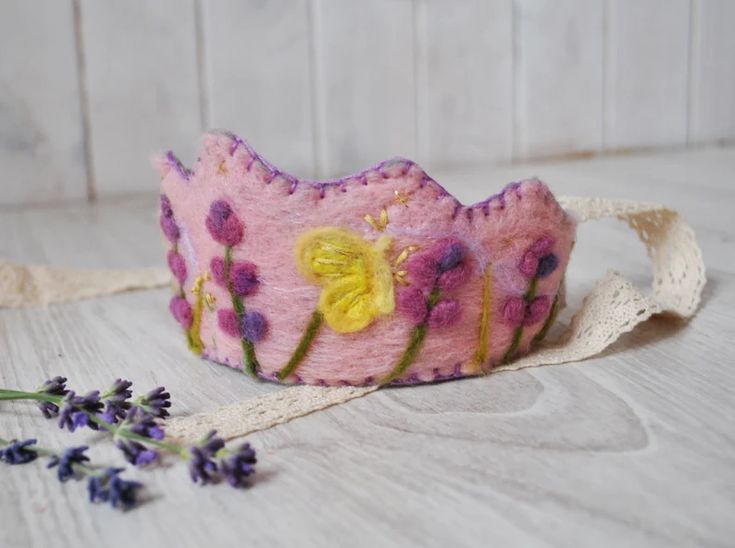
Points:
(356, 277)
(379, 225)
(195, 340)
(481, 355)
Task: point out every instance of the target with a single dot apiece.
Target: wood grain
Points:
(634, 447)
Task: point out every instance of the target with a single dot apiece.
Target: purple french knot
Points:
(514, 310)
(411, 303)
(181, 311)
(217, 267)
(444, 314)
(254, 326)
(546, 265)
(223, 225)
(452, 256)
(537, 310)
(244, 277)
(177, 265)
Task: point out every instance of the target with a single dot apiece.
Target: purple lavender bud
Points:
(202, 466)
(136, 453)
(254, 326)
(19, 452)
(156, 402)
(528, 264)
(110, 487)
(119, 392)
(454, 278)
(546, 265)
(144, 424)
(75, 411)
(239, 466)
(244, 278)
(67, 460)
(55, 386)
(223, 225)
(177, 265)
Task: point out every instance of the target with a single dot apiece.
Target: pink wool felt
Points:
(267, 211)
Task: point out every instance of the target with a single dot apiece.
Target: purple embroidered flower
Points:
(217, 267)
(181, 311)
(19, 452)
(513, 310)
(67, 460)
(529, 264)
(168, 223)
(76, 410)
(177, 264)
(444, 314)
(55, 386)
(156, 402)
(228, 322)
(244, 277)
(223, 224)
(546, 265)
(202, 466)
(516, 310)
(411, 302)
(136, 453)
(443, 264)
(537, 310)
(254, 326)
(239, 466)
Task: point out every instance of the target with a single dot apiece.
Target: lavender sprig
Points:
(103, 485)
(136, 430)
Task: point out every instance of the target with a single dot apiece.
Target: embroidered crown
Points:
(382, 277)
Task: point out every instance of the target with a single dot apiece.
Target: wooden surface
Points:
(89, 90)
(633, 448)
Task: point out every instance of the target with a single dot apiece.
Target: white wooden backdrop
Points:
(89, 89)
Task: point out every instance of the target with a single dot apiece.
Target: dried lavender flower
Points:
(19, 452)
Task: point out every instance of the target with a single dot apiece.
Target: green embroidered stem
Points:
(513, 348)
(311, 330)
(549, 321)
(414, 344)
(483, 347)
(250, 362)
(409, 355)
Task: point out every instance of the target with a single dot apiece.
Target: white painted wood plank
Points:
(143, 91)
(41, 138)
(365, 82)
(647, 71)
(464, 81)
(632, 448)
(713, 71)
(558, 77)
(259, 74)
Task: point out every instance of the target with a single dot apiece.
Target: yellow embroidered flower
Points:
(356, 277)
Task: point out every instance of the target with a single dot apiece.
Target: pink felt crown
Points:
(382, 277)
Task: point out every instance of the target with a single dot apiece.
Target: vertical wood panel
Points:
(142, 84)
(647, 59)
(366, 96)
(713, 71)
(41, 138)
(464, 81)
(259, 77)
(558, 76)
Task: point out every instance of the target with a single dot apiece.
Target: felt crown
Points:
(382, 277)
